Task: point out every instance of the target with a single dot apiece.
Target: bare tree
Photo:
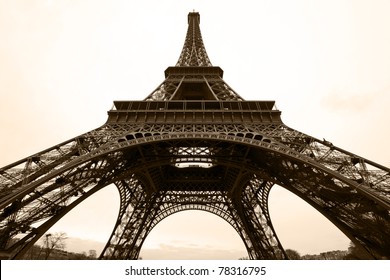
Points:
(55, 241)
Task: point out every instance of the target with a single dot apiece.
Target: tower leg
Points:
(137, 211)
(253, 211)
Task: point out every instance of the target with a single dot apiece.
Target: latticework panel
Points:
(370, 178)
(215, 85)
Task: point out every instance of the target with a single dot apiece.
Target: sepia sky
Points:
(325, 63)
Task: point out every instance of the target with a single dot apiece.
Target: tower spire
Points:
(193, 77)
(193, 53)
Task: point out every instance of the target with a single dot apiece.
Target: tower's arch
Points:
(203, 234)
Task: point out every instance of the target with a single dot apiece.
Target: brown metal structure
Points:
(194, 143)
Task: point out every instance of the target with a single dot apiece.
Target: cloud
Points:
(177, 251)
(79, 245)
(337, 101)
(180, 251)
(340, 100)
(191, 252)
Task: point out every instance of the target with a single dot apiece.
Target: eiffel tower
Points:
(194, 143)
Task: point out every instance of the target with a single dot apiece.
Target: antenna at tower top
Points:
(193, 15)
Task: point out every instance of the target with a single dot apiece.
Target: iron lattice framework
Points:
(194, 143)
